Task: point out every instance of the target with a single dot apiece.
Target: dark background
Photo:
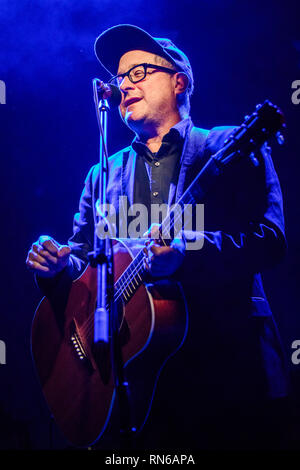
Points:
(242, 52)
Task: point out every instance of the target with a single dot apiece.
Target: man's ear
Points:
(182, 82)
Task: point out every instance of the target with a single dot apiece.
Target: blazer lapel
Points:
(190, 162)
(128, 174)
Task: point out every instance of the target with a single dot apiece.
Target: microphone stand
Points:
(106, 323)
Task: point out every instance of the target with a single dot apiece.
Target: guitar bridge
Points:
(78, 346)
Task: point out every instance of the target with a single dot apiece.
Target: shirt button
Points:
(156, 163)
(155, 193)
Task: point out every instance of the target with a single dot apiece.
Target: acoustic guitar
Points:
(77, 380)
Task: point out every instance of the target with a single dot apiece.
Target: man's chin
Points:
(133, 120)
(132, 116)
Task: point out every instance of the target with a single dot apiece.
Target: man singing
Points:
(225, 385)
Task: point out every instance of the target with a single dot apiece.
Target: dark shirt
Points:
(154, 172)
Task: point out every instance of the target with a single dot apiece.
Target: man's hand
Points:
(46, 258)
(162, 261)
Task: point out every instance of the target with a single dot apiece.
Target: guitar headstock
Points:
(264, 123)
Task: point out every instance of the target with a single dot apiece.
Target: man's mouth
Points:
(130, 101)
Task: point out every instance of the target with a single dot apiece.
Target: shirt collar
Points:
(177, 133)
(181, 127)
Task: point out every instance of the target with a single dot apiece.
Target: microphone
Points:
(108, 92)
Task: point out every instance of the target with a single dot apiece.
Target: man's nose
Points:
(126, 84)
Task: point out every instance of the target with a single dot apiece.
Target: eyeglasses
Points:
(138, 73)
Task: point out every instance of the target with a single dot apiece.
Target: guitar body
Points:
(76, 380)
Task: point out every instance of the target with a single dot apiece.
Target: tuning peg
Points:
(280, 138)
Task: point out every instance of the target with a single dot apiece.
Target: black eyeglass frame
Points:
(145, 65)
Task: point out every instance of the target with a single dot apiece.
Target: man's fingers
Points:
(46, 254)
(153, 232)
(49, 244)
(51, 250)
(161, 260)
(64, 251)
(158, 249)
(38, 258)
(35, 266)
(47, 257)
(153, 249)
(146, 264)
